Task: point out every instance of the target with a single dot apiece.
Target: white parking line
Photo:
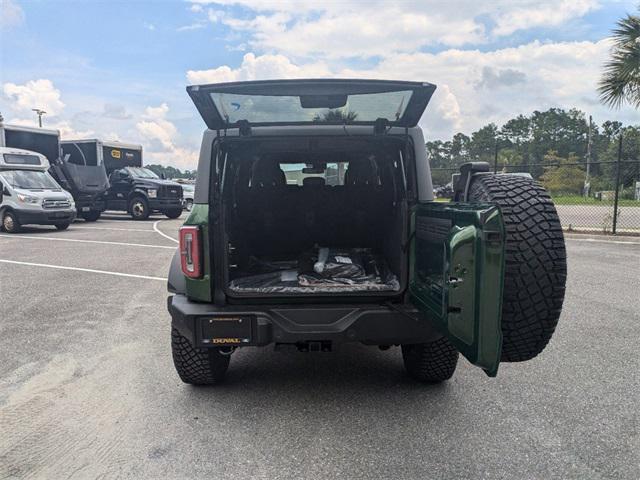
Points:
(77, 227)
(56, 239)
(596, 240)
(155, 227)
(89, 270)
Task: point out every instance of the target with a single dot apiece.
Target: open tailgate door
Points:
(457, 276)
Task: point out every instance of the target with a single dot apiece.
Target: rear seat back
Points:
(265, 212)
(284, 219)
(364, 198)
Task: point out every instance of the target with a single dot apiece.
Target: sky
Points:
(118, 70)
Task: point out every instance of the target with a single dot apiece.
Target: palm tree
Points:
(336, 116)
(620, 82)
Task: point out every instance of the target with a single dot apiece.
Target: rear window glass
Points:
(333, 173)
(275, 109)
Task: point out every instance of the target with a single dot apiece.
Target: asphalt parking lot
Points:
(88, 388)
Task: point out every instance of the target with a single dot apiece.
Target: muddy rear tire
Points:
(535, 262)
(197, 366)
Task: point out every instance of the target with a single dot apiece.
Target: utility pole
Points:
(39, 113)
(617, 192)
(587, 178)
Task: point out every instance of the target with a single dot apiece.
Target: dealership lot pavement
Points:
(88, 389)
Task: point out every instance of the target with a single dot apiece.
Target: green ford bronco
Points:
(314, 224)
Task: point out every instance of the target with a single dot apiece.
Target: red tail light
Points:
(190, 251)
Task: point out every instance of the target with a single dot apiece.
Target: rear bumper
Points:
(45, 217)
(370, 324)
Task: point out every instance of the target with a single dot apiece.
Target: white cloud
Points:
(356, 33)
(115, 111)
(382, 28)
(34, 94)
(159, 134)
(192, 26)
(541, 15)
(259, 68)
(11, 14)
(149, 26)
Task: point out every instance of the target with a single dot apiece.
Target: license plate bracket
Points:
(232, 330)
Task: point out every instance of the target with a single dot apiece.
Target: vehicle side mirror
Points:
(5, 191)
(163, 176)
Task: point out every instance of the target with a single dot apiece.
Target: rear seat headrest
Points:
(313, 182)
(361, 172)
(267, 173)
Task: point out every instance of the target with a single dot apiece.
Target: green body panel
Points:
(457, 271)
(200, 289)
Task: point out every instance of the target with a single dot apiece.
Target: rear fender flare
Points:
(176, 282)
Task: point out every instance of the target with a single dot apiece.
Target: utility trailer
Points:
(87, 183)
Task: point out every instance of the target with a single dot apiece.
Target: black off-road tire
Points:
(535, 262)
(173, 213)
(139, 208)
(91, 216)
(10, 222)
(62, 226)
(432, 362)
(197, 366)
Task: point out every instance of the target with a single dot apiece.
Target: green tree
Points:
(337, 116)
(620, 81)
(483, 143)
(565, 177)
(170, 172)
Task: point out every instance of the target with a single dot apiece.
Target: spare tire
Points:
(535, 262)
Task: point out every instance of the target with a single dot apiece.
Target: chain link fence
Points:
(602, 197)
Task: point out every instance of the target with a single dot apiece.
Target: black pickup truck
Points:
(140, 192)
(133, 188)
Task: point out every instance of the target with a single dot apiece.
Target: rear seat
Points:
(266, 208)
(286, 219)
(363, 197)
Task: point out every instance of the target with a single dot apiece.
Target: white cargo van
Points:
(30, 195)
